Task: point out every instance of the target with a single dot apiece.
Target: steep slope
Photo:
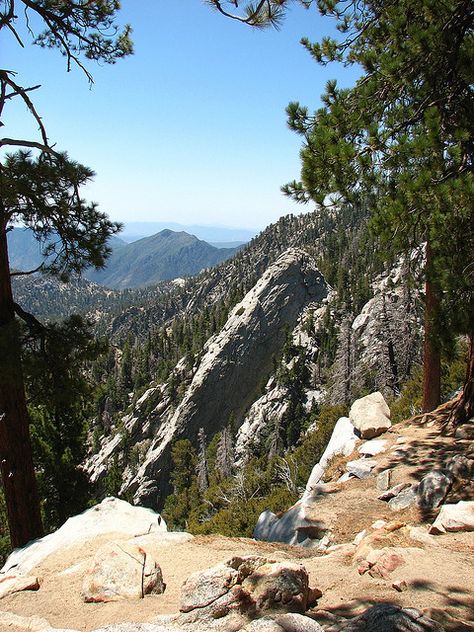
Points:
(166, 255)
(228, 377)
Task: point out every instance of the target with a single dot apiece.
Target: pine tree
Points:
(42, 193)
(401, 141)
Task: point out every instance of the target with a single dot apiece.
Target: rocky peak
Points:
(234, 364)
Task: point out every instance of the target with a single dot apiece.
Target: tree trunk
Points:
(465, 408)
(431, 347)
(16, 462)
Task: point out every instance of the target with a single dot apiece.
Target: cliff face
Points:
(229, 376)
(225, 383)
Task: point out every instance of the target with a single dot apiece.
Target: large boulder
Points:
(370, 415)
(112, 516)
(342, 441)
(458, 517)
(122, 570)
(241, 589)
(433, 489)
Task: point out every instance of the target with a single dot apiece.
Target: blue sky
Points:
(192, 127)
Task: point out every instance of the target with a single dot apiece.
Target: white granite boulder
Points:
(122, 570)
(458, 517)
(370, 415)
(112, 516)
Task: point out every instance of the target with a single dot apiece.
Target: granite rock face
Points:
(228, 377)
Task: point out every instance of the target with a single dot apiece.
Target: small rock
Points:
(400, 585)
(385, 564)
(420, 534)
(393, 491)
(361, 467)
(378, 524)
(456, 517)
(373, 447)
(404, 500)
(293, 622)
(359, 537)
(383, 480)
(347, 476)
(370, 415)
(16, 583)
(401, 440)
(433, 489)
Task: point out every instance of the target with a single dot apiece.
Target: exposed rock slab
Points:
(122, 570)
(342, 441)
(110, 516)
(230, 372)
(370, 415)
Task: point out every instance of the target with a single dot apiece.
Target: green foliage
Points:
(231, 504)
(59, 395)
(185, 499)
(42, 193)
(5, 546)
(400, 141)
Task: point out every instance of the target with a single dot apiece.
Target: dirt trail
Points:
(439, 575)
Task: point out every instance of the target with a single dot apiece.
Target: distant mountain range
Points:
(161, 257)
(220, 236)
(164, 256)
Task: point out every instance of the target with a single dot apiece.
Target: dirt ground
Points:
(439, 575)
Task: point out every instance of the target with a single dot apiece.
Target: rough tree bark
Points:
(431, 348)
(16, 462)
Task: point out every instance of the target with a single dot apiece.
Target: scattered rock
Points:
(359, 537)
(384, 480)
(404, 499)
(460, 467)
(388, 618)
(456, 517)
(361, 467)
(370, 415)
(420, 534)
(347, 476)
(16, 583)
(466, 431)
(433, 489)
(400, 585)
(373, 447)
(393, 491)
(122, 570)
(378, 524)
